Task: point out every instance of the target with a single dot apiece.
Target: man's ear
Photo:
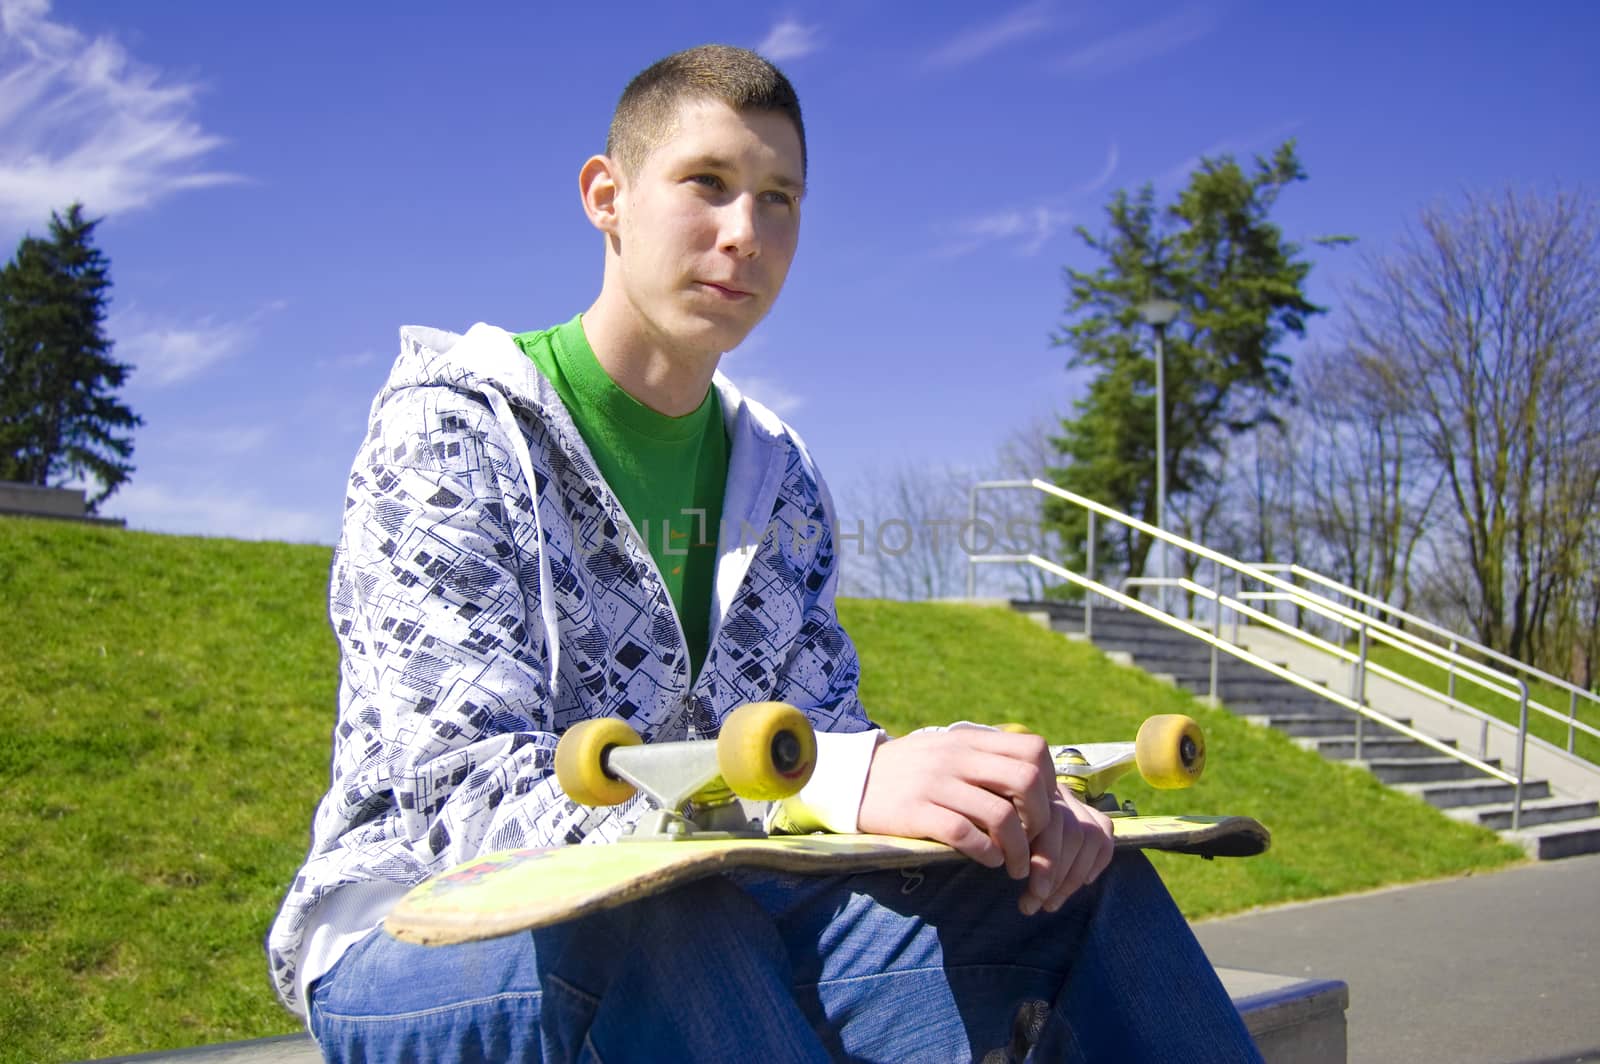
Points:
(600, 183)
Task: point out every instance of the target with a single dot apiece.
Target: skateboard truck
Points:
(1169, 752)
(698, 790)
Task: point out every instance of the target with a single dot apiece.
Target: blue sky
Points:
(285, 185)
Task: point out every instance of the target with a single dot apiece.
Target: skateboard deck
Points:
(519, 890)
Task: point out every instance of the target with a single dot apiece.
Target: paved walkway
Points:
(1502, 967)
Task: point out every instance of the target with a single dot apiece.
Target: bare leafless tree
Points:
(1366, 491)
(900, 532)
(1481, 331)
(908, 531)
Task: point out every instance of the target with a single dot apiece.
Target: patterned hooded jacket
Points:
(487, 592)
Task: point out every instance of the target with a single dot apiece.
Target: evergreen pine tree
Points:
(60, 418)
(1241, 286)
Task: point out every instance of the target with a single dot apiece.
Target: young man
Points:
(531, 538)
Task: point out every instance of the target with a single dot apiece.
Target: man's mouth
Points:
(726, 291)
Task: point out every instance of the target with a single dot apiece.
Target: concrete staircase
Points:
(1561, 794)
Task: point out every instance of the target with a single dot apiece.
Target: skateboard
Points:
(708, 804)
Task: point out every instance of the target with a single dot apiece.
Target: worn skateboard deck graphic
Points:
(518, 890)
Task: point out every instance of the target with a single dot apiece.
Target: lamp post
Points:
(1158, 314)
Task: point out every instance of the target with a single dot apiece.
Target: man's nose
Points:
(738, 226)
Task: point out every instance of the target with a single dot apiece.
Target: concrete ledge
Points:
(1294, 1021)
(285, 1049)
(60, 504)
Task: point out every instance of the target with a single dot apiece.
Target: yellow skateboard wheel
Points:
(581, 761)
(766, 751)
(1014, 728)
(1170, 751)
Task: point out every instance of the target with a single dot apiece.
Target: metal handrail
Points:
(1245, 655)
(1431, 654)
(1458, 643)
(1357, 703)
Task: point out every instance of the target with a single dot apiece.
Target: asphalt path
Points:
(1500, 967)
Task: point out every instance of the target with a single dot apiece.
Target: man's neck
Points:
(669, 381)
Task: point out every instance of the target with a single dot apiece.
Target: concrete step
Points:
(1119, 626)
(1154, 636)
(1551, 842)
(1293, 1020)
(1422, 769)
(1193, 660)
(1240, 682)
(1343, 747)
(1306, 706)
(1497, 816)
(1308, 726)
(1236, 682)
(1261, 684)
(1482, 791)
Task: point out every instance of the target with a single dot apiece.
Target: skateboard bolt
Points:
(785, 751)
(1188, 750)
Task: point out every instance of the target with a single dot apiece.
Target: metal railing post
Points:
(1238, 593)
(1455, 648)
(1522, 747)
(1358, 690)
(1572, 720)
(1088, 596)
(1216, 626)
(972, 566)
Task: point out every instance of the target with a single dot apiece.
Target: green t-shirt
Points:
(669, 473)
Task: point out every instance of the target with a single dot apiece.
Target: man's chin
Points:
(715, 335)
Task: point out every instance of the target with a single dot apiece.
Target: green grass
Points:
(168, 703)
(1506, 709)
(1335, 829)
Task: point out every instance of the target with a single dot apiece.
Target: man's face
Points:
(708, 224)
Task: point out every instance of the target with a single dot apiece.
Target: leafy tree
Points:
(60, 418)
(1240, 283)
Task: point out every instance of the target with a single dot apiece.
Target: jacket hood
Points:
(487, 362)
(486, 357)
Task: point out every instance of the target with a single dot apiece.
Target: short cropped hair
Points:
(647, 112)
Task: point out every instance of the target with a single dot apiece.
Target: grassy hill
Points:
(168, 703)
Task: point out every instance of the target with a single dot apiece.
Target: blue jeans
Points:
(931, 964)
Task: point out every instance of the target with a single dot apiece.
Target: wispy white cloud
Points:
(771, 393)
(228, 442)
(167, 352)
(1025, 230)
(1121, 50)
(1103, 178)
(158, 507)
(790, 39)
(976, 42)
(82, 120)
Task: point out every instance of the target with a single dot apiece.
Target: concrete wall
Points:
(41, 502)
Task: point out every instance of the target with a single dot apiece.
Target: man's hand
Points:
(1070, 853)
(993, 796)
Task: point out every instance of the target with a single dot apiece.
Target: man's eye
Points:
(711, 181)
(781, 199)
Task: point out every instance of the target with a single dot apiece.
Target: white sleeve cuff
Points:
(832, 800)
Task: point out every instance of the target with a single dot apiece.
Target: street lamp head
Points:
(1158, 312)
